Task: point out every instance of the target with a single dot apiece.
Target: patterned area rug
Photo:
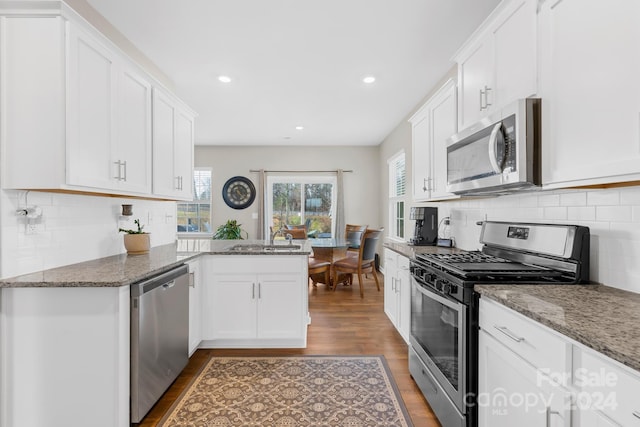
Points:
(318, 391)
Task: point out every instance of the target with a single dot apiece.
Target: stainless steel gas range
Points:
(443, 355)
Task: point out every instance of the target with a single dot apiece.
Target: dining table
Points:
(331, 250)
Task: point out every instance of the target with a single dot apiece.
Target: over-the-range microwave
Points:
(499, 154)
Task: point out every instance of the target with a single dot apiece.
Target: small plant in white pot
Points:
(136, 242)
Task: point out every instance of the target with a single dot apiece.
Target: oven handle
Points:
(508, 333)
(429, 293)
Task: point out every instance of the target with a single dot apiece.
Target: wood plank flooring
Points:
(341, 324)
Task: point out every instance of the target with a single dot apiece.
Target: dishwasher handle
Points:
(166, 280)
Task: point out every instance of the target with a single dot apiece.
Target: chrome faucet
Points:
(275, 233)
(289, 238)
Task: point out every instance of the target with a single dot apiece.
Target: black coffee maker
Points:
(426, 232)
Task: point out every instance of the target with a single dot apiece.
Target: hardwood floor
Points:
(342, 323)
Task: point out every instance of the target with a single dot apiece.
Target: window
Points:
(296, 200)
(195, 216)
(397, 191)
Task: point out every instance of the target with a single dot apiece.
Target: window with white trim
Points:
(195, 216)
(302, 200)
(397, 192)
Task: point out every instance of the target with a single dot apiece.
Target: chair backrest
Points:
(353, 233)
(369, 244)
(296, 233)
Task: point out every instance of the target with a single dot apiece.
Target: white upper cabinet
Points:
(76, 111)
(589, 68)
(497, 65)
(431, 125)
(172, 148)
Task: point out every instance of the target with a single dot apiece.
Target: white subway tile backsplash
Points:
(74, 228)
(630, 196)
(603, 197)
(549, 200)
(635, 213)
(581, 213)
(573, 199)
(556, 213)
(613, 213)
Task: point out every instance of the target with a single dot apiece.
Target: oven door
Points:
(438, 336)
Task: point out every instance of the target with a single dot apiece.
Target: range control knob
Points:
(446, 288)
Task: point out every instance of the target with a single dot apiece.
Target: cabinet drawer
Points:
(607, 387)
(259, 264)
(534, 342)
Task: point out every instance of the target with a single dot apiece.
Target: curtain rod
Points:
(299, 171)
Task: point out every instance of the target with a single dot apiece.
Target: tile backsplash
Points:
(612, 215)
(73, 228)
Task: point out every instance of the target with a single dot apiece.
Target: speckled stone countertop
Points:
(411, 251)
(603, 318)
(123, 269)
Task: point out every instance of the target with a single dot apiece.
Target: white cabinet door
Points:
(91, 111)
(280, 301)
(590, 63)
(183, 155)
(475, 83)
(498, 65)
(420, 154)
(443, 112)
(592, 418)
(403, 291)
(172, 148)
(390, 295)
(195, 305)
(511, 392)
(431, 125)
(233, 306)
(515, 63)
(131, 158)
(164, 111)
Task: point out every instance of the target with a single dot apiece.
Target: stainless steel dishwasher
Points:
(159, 336)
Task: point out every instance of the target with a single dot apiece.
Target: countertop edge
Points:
(591, 342)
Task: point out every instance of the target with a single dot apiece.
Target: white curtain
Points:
(340, 223)
(262, 203)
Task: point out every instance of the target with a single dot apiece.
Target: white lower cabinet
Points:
(255, 301)
(530, 375)
(195, 305)
(518, 363)
(397, 291)
(607, 392)
(514, 393)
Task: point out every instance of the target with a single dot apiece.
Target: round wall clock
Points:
(238, 192)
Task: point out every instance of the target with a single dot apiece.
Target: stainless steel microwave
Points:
(499, 154)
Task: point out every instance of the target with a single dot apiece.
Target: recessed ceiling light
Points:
(224, 79)
(299, 127)
(369, 79)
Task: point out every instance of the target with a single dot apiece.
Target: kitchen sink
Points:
(263, 247)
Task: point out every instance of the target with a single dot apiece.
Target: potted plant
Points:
(136, 242)
(231, 230)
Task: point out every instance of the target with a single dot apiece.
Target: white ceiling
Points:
(298, 62)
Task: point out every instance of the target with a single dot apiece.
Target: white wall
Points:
(360, 187)
(74, 228)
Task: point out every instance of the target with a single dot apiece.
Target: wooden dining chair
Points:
(353, 233)
(363, 263)
(318, 266)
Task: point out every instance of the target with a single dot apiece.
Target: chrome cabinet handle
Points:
(424, 184)
(487, 104)
(636, 414)
(508, 333)
(259, 290)
(119, 165)
(192, 280)
(393, 284)
(481, 106)
(124, 176)
(549, 412)
(398, 287)
(253, 291)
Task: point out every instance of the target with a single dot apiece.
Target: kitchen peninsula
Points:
(65, 332)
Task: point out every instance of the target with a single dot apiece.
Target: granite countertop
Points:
(123, 269)
(603, 318)
(410, 251)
